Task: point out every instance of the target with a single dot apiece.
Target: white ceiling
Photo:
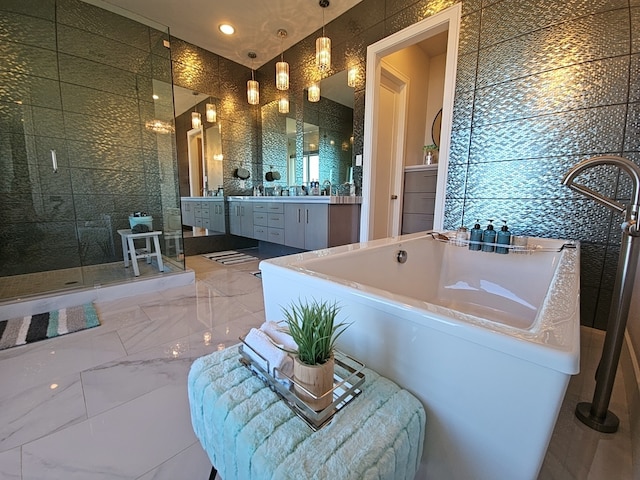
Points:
(256, 22)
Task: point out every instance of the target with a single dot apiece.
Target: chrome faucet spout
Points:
(622, 163)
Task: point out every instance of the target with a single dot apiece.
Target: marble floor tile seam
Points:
(168, 460)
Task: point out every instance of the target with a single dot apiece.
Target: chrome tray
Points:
(347, 378)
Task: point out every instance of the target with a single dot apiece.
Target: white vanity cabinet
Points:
(306, 225)
(205, 212)
(418, 199)
(309, 223)
(241, 218)
(188, 212)
(268, 221)
(217, 217)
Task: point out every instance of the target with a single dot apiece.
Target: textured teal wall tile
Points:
(86, 128)
(104, 107)
(554, 47)
(635, 29)
(632, 137)
(586, 85)
(510, 18)
(98, 76)
(35, 8)
(550, 135)
(28, 30)
(29, 90)
(23, 59)
(91, 18)
(469, 34)
(80, 43)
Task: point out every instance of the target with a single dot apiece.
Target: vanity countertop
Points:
(418, 168)
(333, 199)
(206, 199)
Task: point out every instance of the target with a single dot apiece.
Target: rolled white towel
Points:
(260, 343)
(279, 335)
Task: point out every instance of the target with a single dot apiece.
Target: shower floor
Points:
(32, 284)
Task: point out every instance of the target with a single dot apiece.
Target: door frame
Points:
(448, 19)
(400, 85)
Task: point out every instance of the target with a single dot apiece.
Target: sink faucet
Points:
(326, 186)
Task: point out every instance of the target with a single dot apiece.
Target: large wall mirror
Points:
(200, 160)
(318, 148)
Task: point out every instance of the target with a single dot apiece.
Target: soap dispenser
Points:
(475, 237)
(489, 238)
(504, 238)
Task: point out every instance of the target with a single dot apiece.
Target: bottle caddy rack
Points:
(347, 379)
(527, 248)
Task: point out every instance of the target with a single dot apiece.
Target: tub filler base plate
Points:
(608, 424)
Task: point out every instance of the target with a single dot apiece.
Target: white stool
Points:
(129, 250)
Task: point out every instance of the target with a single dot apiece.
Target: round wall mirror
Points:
(435, 128)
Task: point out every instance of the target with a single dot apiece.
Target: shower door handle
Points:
(54, 160)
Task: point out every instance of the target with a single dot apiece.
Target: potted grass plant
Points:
(312, 325)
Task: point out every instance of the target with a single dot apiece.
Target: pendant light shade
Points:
(282, 67)
(253, 88)
(323, 45)
(323, 53)
(253, 92)
(283, 104)
(282, 76)
(313, 94)
(211, 113)
(352, 76)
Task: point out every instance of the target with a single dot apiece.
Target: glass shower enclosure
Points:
(86, 139)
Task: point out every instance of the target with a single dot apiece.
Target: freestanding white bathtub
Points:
(487, 342)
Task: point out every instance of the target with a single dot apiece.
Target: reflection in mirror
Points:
(328, 135)
(200, 161)
(278, 145)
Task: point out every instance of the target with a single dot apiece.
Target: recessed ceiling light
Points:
(226, 28)
(155, 97)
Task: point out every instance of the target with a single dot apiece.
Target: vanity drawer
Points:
(260, 218)
(275, 220)
(275, 235)
(274, 207)
(260, 206)
(260, 233)
(419, 203)
(424, 181)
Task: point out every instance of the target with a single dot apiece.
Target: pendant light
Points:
(211, 113)
(282, 67)
(253, 88)
(352, 76)
(196, 119)
(313, 92)
(283, 104)
(323, 44)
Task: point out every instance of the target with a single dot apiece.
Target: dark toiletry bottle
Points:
(504, 238)
(488, 238)
(475, 237)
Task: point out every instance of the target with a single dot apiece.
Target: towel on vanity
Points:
(250, 434)
(279, 335)
(277, 358)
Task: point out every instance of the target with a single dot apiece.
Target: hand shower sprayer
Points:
(595, 414)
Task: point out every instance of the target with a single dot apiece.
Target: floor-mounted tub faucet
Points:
(595, 414)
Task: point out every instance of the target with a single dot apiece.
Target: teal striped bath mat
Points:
(32, 328)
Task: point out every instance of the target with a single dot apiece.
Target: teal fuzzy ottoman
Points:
(249, 433)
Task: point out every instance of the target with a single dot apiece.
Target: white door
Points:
(389, 156)
(448, 19)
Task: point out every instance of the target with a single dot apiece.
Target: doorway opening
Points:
(382, 165)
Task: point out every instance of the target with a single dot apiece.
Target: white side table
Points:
(130, 252)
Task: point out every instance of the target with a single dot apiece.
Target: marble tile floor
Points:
(70, 279)
(111, 403)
